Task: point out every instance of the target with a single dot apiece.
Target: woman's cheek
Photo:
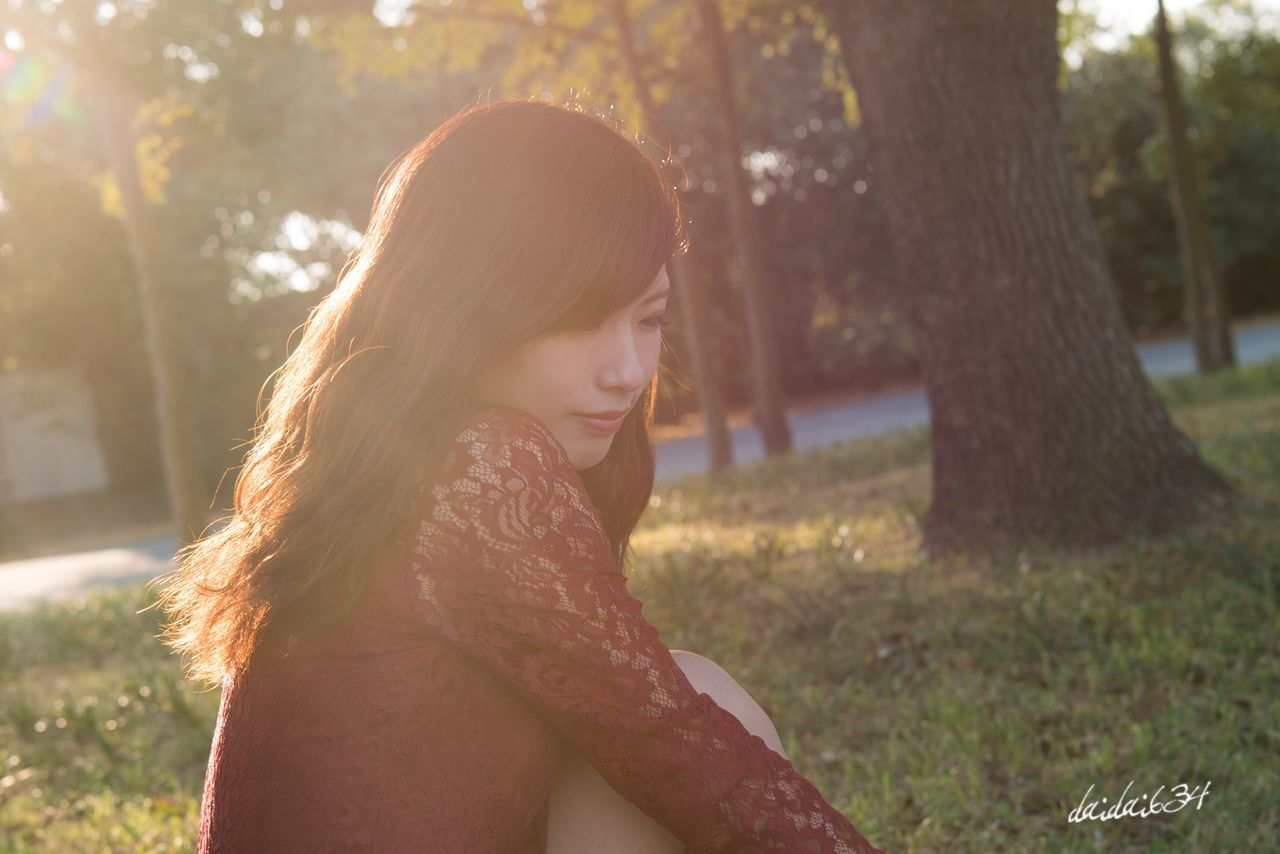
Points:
(653, 353)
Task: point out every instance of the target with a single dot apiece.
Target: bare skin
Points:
(586, 814)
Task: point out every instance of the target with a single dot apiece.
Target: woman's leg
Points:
(586, 814)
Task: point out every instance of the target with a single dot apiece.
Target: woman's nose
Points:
(622, 364)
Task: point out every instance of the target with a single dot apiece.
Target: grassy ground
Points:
(964, 706)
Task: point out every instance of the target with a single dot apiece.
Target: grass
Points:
(960, 706)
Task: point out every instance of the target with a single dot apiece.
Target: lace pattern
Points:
(510, 562)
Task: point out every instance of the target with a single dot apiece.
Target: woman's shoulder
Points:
(497, 437)
(506, 479)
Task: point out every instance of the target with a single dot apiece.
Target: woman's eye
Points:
(658, 321)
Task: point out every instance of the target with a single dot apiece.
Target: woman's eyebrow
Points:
(659, 295)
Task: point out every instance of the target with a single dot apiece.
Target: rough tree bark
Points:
(1044, 427)
(1208, 313)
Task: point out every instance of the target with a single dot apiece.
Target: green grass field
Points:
(959, 706)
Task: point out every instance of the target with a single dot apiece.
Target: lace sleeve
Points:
(511, 562)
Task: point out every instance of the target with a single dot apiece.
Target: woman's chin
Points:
(588, 457)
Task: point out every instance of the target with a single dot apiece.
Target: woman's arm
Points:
(512, 564)
(586, 814)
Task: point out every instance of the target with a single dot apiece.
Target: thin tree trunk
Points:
(182, 475)
(1044, 426)
(770, 401)
(691, 303)
(687, 291)
(1208, 312)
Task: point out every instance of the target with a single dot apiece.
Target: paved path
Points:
(23, 583)
(26, 582)
(837, 422)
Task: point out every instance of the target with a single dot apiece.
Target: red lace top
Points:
(499, 635)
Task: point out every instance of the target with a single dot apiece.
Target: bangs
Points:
(630, 228)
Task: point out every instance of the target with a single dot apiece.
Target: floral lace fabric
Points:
(511, 564)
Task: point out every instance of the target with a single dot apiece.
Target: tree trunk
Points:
(691, 306)
(1208, 312)
(686, 290)
(181, 472)
(1044, 427)
(771, 412)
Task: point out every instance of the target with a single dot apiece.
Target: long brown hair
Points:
(511, 219)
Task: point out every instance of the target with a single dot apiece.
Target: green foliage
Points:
(1111, 111)
(1077, 27)
(955, 706)
(302, 117)
(851, 329)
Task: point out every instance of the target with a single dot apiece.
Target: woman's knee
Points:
(586, 814)
(711, 679)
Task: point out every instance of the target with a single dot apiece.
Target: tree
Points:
(689, 298)
(1207, 309)
(103, 77)
(114, 110)
(1045, 428)
(771, 414)
(1121, 152)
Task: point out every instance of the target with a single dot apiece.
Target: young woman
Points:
(417, 612)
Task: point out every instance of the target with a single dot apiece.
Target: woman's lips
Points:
(603, 425)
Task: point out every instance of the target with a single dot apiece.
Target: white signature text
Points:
(1179, 796)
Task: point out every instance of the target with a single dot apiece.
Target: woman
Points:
(417, 612)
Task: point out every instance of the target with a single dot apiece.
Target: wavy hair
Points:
(510, 220)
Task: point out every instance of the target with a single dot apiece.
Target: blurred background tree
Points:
(296, 106)
(1206, 308)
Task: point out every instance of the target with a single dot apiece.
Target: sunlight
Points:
(306, 255)
(393, 13)
(251, 22)
(770, 170)
(1120, 19)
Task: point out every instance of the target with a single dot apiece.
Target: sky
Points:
(1122, 17)
(1132, 16)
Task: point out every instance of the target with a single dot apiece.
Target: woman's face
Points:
(559, 377)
